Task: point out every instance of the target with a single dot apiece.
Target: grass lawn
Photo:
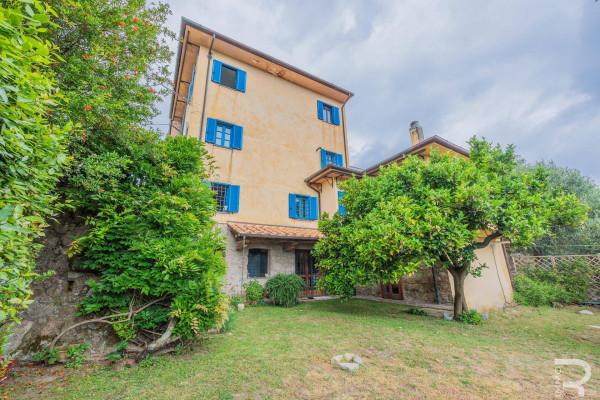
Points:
(277, 353)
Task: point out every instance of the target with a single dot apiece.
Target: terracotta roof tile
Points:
(273, 231)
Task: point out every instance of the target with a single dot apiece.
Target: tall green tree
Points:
(150, 237)
(437, 211)
(581, 239)
(31, 148)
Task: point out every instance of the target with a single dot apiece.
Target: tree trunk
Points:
(460, 304)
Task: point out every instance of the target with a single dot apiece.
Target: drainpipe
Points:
(347, 156)
(209, 56)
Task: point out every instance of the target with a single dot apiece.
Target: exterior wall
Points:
(419, 287)
(279, 261)
(493, 289)
(329, 197)
(281, 141)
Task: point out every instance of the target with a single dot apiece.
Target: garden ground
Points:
(278, 353)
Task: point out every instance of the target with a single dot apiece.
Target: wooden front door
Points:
(306, 269)
(392, 291)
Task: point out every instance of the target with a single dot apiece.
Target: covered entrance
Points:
(306, 269)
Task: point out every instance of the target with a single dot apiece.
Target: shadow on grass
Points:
(359, 307)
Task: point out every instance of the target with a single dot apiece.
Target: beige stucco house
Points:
(278, 138)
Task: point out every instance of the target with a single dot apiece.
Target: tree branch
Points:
(487, 240)
(106, 320)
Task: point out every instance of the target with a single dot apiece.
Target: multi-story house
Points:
(278, 139)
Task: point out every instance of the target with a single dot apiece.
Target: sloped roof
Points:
(244, 229)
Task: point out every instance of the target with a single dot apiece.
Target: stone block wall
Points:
(56, 299)
(279, 261)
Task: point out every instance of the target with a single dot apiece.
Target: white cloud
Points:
(517, 72)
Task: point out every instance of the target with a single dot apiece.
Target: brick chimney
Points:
(416, 133)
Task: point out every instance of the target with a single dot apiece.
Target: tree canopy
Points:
(437, 211)
(581, 239)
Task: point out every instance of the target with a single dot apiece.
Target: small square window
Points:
(327, 113)
(258, 260)
(220, 195)
(229, 76)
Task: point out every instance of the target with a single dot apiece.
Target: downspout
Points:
(346, 155)
(209, 56)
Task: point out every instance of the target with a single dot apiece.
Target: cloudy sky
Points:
(525, 72)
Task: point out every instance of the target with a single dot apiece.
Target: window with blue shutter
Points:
(229, 76)
(328, 113)
(224, 134)
(303, 207)
(227, 196)
(329, 157)
(341, 208)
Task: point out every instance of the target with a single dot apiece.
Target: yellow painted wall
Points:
(281, 141)
(493, 289)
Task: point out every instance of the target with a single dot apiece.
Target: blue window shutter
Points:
(313, 208)
(341, 208)
(211, 130)
(191, 86)
(238, 134)
(292, 205)
(335, 115)
(339, 160)
(320, 110)
(216, 71)
(233, 198)
(240, 83)
(323, 158)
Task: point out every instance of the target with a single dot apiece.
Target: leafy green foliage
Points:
(158, 240)
(284, 289)
(437, 211)
(48, 355)
(76, 355)
(254, 292)
(150, 237)
(581, 239)
(119, 353)
(470, 317)
(31, 148)
(568, 283)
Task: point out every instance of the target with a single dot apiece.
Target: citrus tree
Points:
(437, 211)
(31, 148)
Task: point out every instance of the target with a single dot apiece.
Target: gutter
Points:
(209, 56)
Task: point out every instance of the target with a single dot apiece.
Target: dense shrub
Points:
(284, 289)
(471, 317)
(31, 148)
(568, 283)
(254, 292)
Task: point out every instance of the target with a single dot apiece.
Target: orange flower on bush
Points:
(127, 77)
(86, 56)
(87, 107)
(135, 20)
(135, 29)
(103, 87)
(121, 24)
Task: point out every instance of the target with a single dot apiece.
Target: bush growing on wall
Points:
(31, 149)
(284, 289)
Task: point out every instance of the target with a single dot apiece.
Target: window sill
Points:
(228, 87)
(223, 147)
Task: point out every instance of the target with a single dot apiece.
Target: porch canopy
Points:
(291, 236)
